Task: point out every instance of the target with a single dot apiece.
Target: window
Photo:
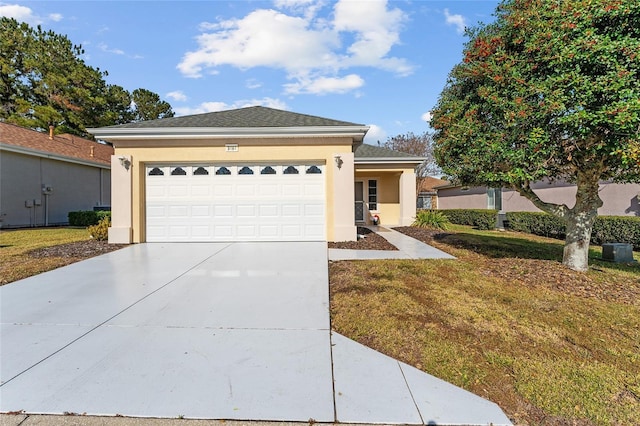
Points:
(223, 171)
(156, 172)
(314, 170)
(245, 171)
(178, 171)
(291, 171)
(373, 195)
(494, 198)
(268, 171)
(200, 171)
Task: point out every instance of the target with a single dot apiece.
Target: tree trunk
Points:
(576, 244)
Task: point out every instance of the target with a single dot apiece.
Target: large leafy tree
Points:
(44, 80)
(550, 90)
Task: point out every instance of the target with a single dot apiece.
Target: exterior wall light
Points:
(125, 162)
(339, 161)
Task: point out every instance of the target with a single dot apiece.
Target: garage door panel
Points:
(200, 211)
(178, 211)
(291, 210)
(244, 190)
(268, 210)
(222, 211)
(235, 207)
(246, 231)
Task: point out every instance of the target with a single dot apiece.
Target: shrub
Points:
(537, 223)
(480, 218)
(616, 229)
(87, 217)
(606, 229)
(431, 219)
(100, 231)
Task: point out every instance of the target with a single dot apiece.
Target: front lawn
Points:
(506, 321)
(27, 252)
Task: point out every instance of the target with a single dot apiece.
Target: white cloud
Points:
(107, 49)
(307, 48)
(308, 8)
(458, 21)
(25, 14)
(426, 116)
(325, 85)
(19, 13)
(252, 83)
(222, 106)
(375, 134)
(375, 35)
(177, 95)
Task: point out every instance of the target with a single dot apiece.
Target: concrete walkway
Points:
(408, 248)
(205, 331)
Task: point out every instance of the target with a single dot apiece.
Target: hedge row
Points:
(87, 218)
(606, 229)
(481, 219)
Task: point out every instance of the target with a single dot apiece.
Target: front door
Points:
(359, 192)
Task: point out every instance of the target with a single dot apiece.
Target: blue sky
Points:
(380, 63)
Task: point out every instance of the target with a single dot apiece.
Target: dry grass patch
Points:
(27, 252)
(506, 321)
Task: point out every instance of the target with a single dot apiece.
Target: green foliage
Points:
(480, 218)
(617, 229)
(542, 224)
(87, 217)
(433, 219)
(44, 80)
(149, 106)
(550, 90)
(100, 232)
(606, 229)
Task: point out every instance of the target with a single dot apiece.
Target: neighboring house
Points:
(43, 177)
(618, 199)
(253, 174)
(427, 193)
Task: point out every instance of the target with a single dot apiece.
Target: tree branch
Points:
(559, 210)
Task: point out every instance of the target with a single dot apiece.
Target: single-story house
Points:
(45, 176)
(618, 199)
(427, 194)
(253, 174)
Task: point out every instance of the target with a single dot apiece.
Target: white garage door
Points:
(235, 202)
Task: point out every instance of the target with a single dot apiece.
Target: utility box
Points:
(617, 252)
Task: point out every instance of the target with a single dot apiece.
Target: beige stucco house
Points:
(45, 176)
(253, 174)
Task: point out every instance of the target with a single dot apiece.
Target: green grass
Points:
(15, 245)
(506, 321)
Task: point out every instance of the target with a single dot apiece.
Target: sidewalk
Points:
(408, 248)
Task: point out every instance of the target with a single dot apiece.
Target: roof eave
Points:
(387, 160)
(106, 133)
(44, 154)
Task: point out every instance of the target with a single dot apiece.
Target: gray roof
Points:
(256, 116)
(366, 151)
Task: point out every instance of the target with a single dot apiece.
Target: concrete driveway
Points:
(210, 330)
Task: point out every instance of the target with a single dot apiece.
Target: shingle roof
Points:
(365, 151)
(256, 116)
(65, 145)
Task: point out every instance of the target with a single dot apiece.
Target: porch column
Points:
(344, 228)
(407, 197)
(121, 186)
